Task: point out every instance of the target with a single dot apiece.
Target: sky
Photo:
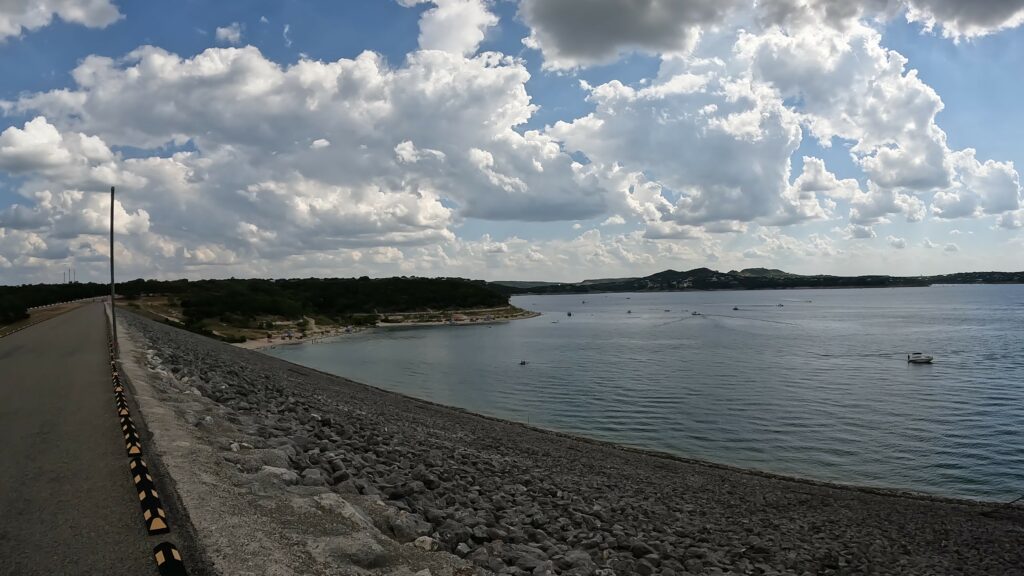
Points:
(509, 139)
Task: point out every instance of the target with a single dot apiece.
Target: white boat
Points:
(918, 358)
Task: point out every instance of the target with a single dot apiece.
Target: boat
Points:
(523, 362)
(569, 314)
(919, 358)
(629, 311)
(695, 313)
(735, 307)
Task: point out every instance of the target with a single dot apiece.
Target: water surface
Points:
(818, 387)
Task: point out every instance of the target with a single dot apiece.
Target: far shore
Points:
(336, 333)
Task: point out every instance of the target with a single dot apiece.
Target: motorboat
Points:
(694, 313)
(523, 362)
(919, 358)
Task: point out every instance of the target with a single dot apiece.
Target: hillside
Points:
(767, 279)
(764, 273)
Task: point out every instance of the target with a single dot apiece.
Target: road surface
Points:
(67, 502)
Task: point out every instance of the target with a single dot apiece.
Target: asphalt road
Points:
(67, 502)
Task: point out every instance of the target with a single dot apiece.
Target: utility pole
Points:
(113, 317)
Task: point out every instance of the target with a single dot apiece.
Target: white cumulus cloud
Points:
(17, 16)
(457, 26)
(230, 34)
(896, 242)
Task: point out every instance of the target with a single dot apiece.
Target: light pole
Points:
(113, 317)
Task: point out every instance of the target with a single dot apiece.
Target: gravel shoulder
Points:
(286, 470)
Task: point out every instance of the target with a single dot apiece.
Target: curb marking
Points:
(168, 560)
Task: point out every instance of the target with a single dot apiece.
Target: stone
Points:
(407, 527)
(313, 477)
(426, 543)
(285, 476)
(357, 548)
(271, 457)
(335, 504)
(644, 568)
(640, 549)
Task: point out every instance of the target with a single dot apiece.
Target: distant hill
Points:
(761, 279)
(978, 278)
(764, 273)
(522, 283)
(605, 281)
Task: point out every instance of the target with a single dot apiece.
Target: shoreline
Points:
(263, 344)
(510, 497)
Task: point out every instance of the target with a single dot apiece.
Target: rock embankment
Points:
(509, 499)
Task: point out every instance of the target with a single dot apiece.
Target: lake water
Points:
(818, 387)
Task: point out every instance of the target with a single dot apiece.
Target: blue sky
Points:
(506, 139)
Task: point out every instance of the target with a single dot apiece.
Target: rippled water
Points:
(818, 387)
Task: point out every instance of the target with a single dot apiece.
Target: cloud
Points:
(250, 165)
(929, 244)
(230, 34)
(951, 247)
(896, 242)
(40, 154)
(979, 188)
(286, 34)
(737, 143)
(967, 19)
(572, 33)
(286, 161)
(1012, 220)
(27, 15)
(858, 232)
(456, 26)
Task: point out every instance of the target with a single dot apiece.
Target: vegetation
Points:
(16, 300)
(247, 302)
(758, 279)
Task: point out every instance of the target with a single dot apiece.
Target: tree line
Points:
(292, 298)
(16, 300)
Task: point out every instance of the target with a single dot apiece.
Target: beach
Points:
(464, 318)
(428, 487)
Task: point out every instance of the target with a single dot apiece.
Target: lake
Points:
(818, 387)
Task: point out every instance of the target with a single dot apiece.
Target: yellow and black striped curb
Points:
(149, 499)
(168, 560)
(167, 557)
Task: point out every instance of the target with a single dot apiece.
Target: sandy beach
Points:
(271, 452)
(330, 334)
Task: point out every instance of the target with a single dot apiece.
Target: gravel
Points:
(515, 500)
